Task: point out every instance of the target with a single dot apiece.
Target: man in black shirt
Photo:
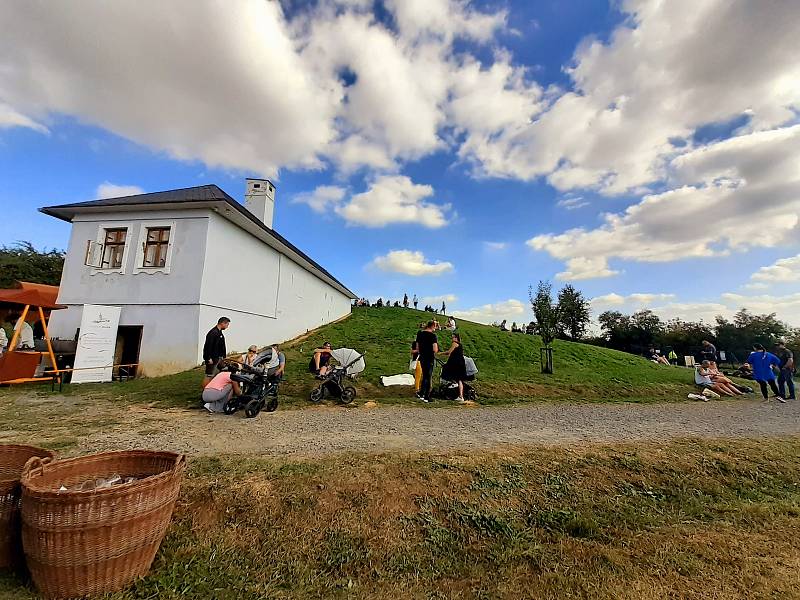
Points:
(427, 347)
(786, 376)
(214, 348)
(709, 351)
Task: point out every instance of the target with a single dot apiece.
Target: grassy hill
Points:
(508, 365)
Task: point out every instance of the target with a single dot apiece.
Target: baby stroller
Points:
(448, 390)
(333, 383)
(259, 388)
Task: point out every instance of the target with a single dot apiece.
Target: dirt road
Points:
(325, 430)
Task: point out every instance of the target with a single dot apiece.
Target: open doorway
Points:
(126, 353)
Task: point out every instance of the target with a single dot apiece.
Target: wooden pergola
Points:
(19, 366)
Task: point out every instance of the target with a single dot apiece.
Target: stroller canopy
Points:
(351, 359)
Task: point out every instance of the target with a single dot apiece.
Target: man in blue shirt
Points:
(762, 363)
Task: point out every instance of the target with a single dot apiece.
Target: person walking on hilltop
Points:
(214, 349)
(415, 301)
(762, 363)
(405, 300)
(427, 347)
(444, 307)
(786, 376)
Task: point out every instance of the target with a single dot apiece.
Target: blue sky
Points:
(642, 151)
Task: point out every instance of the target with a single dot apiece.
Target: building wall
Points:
(268, 297)
(216, 269)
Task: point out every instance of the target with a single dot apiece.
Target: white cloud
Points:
(437, 300)
(667, 306)
(572, 203)
(393, 199)
(511, 310)
(322, 198)
(11, 118)
(669, 69)
(736, 194)
(112, 190)
(495, 245)
(412, 263)
(784, 270)
(444, 19)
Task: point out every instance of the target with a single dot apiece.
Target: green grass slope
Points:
(508, 365)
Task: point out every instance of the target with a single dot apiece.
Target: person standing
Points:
(786, 375)
(427, 347)
(415, 301)
(214, 348)
(405, 300)
(762, 362)
(444, 307)
(709, 351)
(455, 369)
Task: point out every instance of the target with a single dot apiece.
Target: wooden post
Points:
(47, 339)
(13, 344)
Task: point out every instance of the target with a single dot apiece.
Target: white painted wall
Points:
(216, 269)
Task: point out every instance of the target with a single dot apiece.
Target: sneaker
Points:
(207, 406)
(780, 399)
(460, 401)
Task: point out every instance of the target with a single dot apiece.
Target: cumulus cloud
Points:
(394, 199)
(749, 183)
(638, 300)
(410, 262)
(784, 270)
(322, 198)
(511, 310)
(670, 69)
(112, 190)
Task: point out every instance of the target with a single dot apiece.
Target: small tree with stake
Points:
(546, 314)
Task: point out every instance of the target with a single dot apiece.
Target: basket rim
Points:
(31, 474)
(46, 453)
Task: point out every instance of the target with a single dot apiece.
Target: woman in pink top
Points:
(219, 390)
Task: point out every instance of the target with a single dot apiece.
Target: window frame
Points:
(161, 247)
(144, 228)
(100, 239)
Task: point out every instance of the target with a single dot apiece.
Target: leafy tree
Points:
(573, 312)
(685, 337)
(23, 262)
(746, 329)
(545, 313)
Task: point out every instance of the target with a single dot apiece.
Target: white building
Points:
(176, 261)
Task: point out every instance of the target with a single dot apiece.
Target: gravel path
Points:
(325, 430)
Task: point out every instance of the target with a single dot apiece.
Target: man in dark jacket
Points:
(427, 347)
(214, 348)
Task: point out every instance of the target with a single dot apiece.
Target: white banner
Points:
(94, 356)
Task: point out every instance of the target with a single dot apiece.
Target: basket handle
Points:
(35, 462)
(179, 460)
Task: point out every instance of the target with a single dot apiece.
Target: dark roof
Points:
(199, 194)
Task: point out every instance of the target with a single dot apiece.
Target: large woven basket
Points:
(12, 460)
(79, 543)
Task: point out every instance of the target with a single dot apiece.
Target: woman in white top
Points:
(249, 358)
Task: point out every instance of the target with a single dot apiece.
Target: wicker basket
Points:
(12, 460)
(79, 543)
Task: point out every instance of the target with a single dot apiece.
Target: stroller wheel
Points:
(316, 394)
(272, 404)
(230, 407)
(348, 394)
(472, 395)
(252, 409)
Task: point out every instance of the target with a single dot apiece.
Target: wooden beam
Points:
(47, 339)
(13, 344)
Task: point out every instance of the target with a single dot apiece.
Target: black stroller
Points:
(334, 383)
(259, 388)
(448, 390)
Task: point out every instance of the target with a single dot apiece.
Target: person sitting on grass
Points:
(719, 377)
(702, 377)
(319, 362)
(219, 390)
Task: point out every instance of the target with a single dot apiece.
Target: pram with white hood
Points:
(334, 382)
